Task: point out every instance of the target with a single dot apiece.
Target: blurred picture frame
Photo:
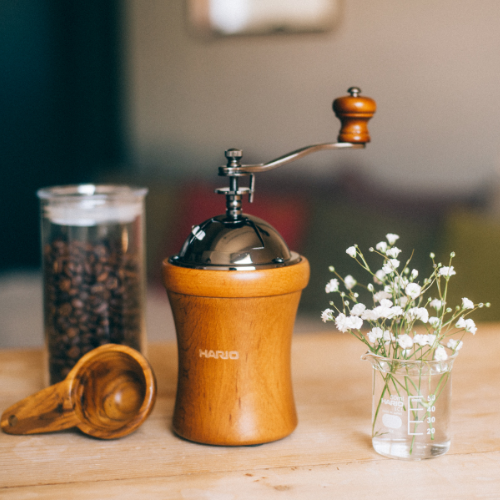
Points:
(220, 18)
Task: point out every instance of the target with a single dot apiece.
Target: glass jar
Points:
(93, 271)
(411, 405)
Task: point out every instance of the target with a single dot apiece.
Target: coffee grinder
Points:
(234, 289)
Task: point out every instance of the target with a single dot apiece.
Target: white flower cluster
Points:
(467, 324)
(345, 323)
(332, 286)
(398, 307)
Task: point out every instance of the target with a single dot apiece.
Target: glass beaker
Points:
(411, 405)
(93, 271)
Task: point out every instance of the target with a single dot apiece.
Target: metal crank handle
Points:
(242, 170)
(353, 111)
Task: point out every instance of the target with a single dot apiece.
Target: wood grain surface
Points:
(107, 394)
(234, 333)
(354, 111)
(329, 455)
(236, 284)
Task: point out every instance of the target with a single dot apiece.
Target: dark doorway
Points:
(60, 108)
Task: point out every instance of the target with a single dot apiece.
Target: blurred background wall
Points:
(122, 91)
(431, 66)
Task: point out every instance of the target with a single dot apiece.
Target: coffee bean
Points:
(65, 285)
(92, 297)
(102, 277)
(77, 303)
(65, 309)
(72, 332)
(112, 283)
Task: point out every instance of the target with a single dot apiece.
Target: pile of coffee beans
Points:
(92, 297)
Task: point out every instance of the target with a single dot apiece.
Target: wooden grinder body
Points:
(234, 332)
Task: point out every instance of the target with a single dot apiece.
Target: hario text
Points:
(219, 354)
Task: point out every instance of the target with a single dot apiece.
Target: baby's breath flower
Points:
(467, 324)
(390, 266)
(436, 304)
(420, 313)
(432, 255)
(344, 323)
(382, 312)
(470, 326)
(386, 311)
(447, 272)
(388, 336)
(467, 304)
(381, 295)
(327, 315)
(434, 322)
(431, 339)
(332, 286)
(386, 303)
(455, 345)
(349, 282)
(395, 310)
(405, 341)
(393, 252)
(331, 269)
(403, 301)
(398, 283)
(420, 339)
(341, 323)
(413, 290)
(375, 334)
(358, 309)
(392, 238)
(351, 251)
(379, 277)
(440, 354)
(369, 315)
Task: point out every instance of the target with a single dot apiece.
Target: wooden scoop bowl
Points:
(107, 394)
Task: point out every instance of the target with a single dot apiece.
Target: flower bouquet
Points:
(411, 369)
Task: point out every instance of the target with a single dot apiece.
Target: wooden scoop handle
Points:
(50, 409)
(354, 111)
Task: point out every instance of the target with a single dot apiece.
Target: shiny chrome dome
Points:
(245, 244)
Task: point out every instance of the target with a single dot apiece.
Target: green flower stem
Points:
(386, 388)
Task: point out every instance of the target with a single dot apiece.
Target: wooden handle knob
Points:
(354, 112)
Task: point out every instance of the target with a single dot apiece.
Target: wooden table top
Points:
(328, 456)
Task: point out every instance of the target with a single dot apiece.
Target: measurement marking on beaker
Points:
(418, 399)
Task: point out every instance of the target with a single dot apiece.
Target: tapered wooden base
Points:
(234, 332)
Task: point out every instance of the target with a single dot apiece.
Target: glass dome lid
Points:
(222, 243)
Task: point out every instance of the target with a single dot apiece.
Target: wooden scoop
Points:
(107, 394)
